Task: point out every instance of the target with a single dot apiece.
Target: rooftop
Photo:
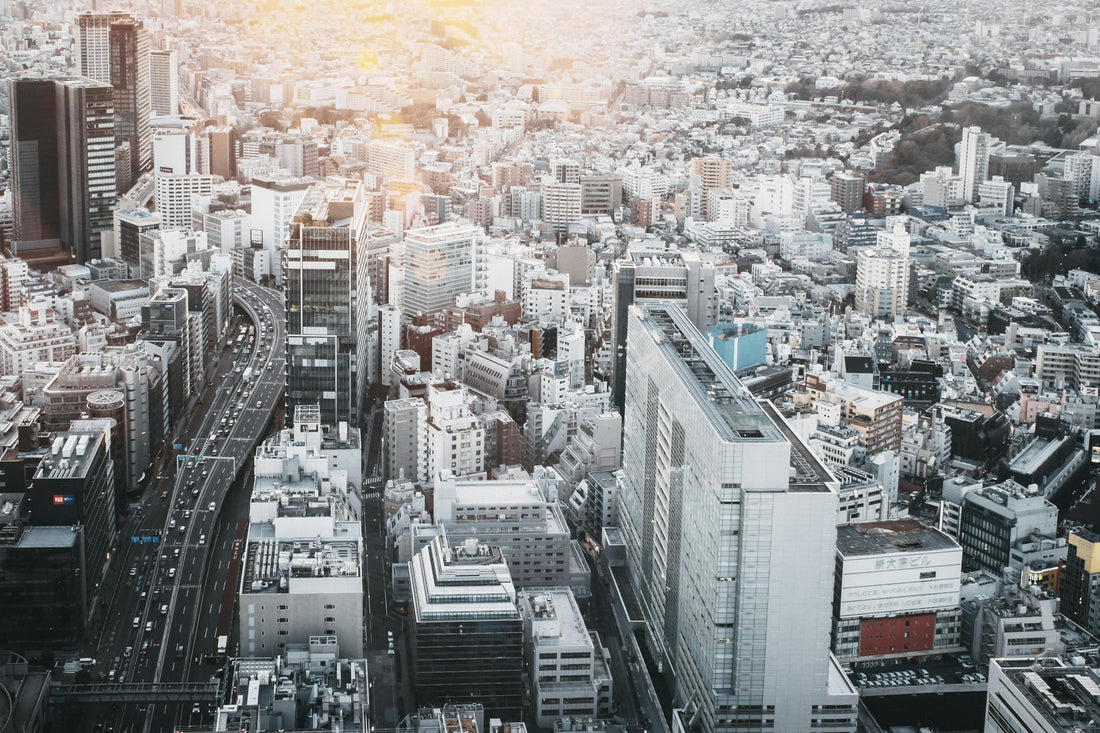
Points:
(898, 536)
(730, 407)
(1066, 695)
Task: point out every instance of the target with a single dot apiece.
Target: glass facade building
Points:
(320, 280)
(729, 525)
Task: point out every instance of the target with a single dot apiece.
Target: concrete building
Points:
(164, 85)
(523, 518)
(36, 336)
(274, 201)
(1042, 695)
(846, 189)
(897, 591)
(707, 466)
(568, 665)
(995, 520)
(308, 682)
(302, 577)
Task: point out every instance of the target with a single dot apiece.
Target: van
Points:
(137, 622)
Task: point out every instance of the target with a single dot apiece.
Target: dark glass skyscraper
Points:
(129, 48)
(34, 127)
(320, 282)
(62, 159)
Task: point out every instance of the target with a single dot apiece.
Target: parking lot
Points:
(949, 670)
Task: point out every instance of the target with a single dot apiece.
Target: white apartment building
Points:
(973, 161)
(36, 336)
(455, 438)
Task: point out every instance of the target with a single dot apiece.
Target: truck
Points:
(223, 644)
(247, 374)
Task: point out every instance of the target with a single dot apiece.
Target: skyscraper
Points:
(164, 83)
(34, 129)
(62, 161)
(86, 175)
(129, 42)
(729, 526)
(321, 304)
(973, 161)
(94, 43)
(439, 265)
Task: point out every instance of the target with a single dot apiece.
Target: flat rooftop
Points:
(1037, 452)
(898, 536)
(730, 407)
(1067, 697)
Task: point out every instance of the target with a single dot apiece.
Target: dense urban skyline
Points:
(613, 367)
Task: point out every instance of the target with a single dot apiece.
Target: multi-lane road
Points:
(172, 601)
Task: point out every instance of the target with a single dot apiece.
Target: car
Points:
(171, 524)
(164, 494)
(202, 539)
(259, 403)
(196, 709)
(164, 609)
(144, 594)
(212, 506)
(133, 571)
(148, 626)
(183, 528)
(171, 572)
(129, 652)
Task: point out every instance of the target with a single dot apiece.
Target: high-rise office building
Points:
(1080, 580)
(164, 83)
(74, 484)
(129, 43)
(467, 634)
(681, 277)
(440, 263)
(722, 506)
(973, 161)
(320, 281)
(94, 43)
(33, 159)
(86, 175)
